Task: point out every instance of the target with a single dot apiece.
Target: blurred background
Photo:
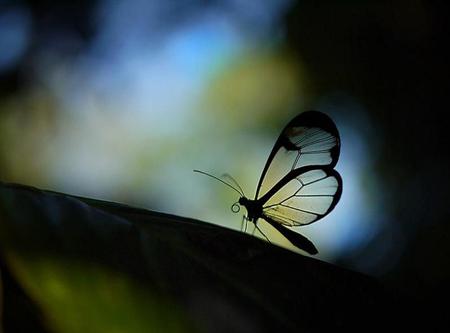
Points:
(121, 100)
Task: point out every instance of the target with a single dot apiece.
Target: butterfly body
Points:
(254, 208)
(298, 185)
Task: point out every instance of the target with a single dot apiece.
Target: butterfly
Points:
(298, 185)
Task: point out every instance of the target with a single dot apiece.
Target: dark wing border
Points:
(296, 172)
(307, 119)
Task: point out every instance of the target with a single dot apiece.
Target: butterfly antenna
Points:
(220, 180)
(226, 175)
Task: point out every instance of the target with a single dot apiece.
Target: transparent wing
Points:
(309, 139)
(305, 198)
(295, 238)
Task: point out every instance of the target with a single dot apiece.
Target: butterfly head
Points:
(243, 201)
(236, 207)
(253, 207)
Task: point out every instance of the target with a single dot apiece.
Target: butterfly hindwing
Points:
(296, 239)
(304, 196)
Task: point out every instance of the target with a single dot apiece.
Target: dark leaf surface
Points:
(168, 272)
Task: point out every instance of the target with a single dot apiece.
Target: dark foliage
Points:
(223, 280)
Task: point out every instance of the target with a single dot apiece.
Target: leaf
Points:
(96, 266)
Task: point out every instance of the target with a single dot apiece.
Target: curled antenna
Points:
(235, 208)
(220, 180)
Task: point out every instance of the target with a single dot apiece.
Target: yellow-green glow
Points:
(259, 87)
(83, 297)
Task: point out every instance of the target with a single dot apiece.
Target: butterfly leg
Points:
(244, 223)
(256, 227)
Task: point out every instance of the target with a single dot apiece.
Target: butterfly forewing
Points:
(311, 138)
(306, 198)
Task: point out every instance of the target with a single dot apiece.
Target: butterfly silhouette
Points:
(298, 185)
